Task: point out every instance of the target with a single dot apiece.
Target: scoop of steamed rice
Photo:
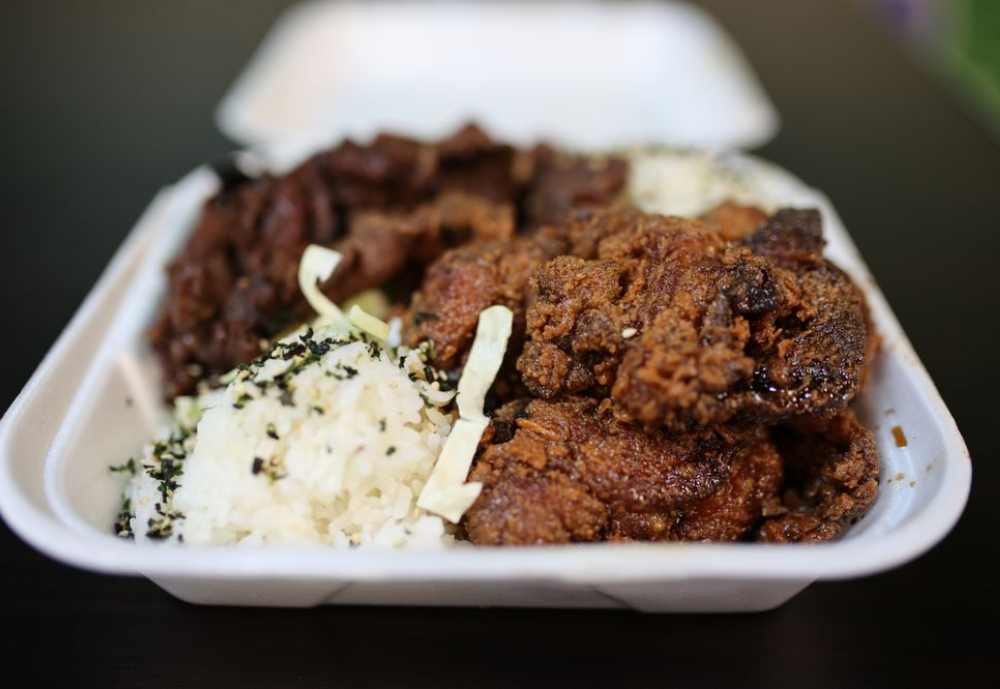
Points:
(328, 440)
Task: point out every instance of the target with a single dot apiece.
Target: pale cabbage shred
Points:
(446, 493)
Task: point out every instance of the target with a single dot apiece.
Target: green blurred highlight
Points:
(972, 49)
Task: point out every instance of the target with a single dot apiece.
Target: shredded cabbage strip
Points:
(446, 492)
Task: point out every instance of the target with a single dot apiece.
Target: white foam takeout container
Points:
(95, 400)
(329, 70)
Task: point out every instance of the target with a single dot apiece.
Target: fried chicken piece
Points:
(599, 309)
(832, 469)
(733, 220)
(686, 330)
(467, 280)
(653, 276)
(569, 471)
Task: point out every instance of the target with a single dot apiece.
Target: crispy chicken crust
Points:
(685, 330)
(832, 468)
(556, 472)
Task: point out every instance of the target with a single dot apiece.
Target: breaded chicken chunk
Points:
(556, 472)
(685, 330)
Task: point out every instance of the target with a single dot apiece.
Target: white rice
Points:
(339, 459)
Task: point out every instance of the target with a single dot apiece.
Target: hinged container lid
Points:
(590, 75)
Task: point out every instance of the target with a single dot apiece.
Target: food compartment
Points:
(118, 407)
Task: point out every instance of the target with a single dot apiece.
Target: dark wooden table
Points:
(104, 102)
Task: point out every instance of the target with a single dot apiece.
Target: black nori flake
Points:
(162, 527)
(168, 465)
(242, 400)
(123, 521)
(128, 467)
(391, 450)
(319, 410)
(292, 350)
(381, 425)
(269, 467)
(166, 473)
(318, 349)
(451, 379)
(272, 432)
(159, 529)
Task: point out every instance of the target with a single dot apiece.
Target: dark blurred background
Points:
(889, 107)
